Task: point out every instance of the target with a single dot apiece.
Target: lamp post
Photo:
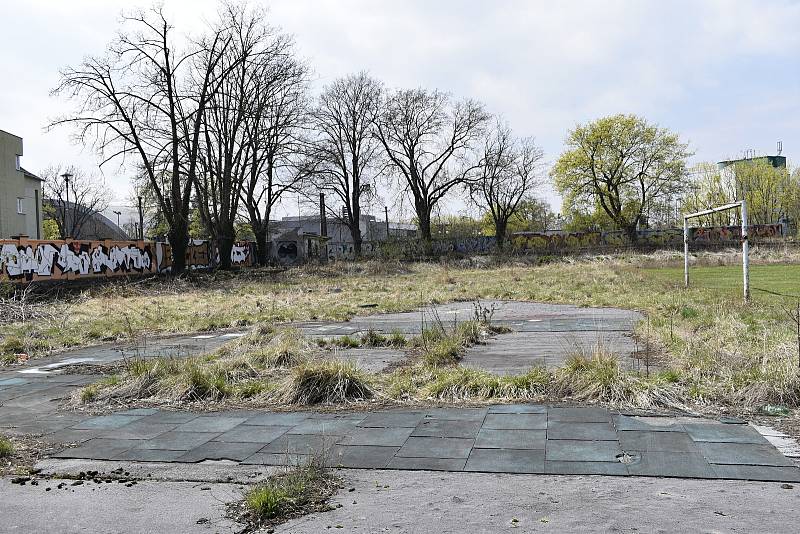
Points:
(66, 176)
(118, 214)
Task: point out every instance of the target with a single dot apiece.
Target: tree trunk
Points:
(632, 233)
(224, 246)
(261, 231)
(500, 235)
(355, 232)
(425, 231)
(178, 243)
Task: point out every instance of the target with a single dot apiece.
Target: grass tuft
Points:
(6, 448)
(325, 382)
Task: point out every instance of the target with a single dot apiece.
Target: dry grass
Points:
(325, 382)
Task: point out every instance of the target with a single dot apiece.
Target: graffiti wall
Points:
(27, 260)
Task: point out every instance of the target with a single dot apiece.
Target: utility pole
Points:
(67, 230)
(141, 219)
(323, 222)
(386, 218)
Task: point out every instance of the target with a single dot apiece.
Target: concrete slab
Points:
(178, 441)
(277, 419)
(447, 429)
(218, 450)
(722, 433)
(386, 437)
(521, 421)
(582, 451)
(427, 464)
(511, 439)
(430, 447)
(556, 467)
(580, 431)
(99, 449)
(253, 434)
(670, 464)
(506, 461)
(302, 444)
(361, 456)
(579, 415)
(211, 423)
(106, 422)
(744, 454)
(518, 408)
(392, 419)
(638, 440)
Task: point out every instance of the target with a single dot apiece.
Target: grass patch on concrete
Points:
(295, 492)
(325, 382)
(6, 448)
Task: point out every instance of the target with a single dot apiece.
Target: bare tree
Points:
(273, 134)
(73, 197)
(147, 98)
(507, 171)
(426, 140)
(344, 154)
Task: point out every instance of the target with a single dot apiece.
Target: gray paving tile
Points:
(743, 454)
(324, 426)
(582, 451)
(139, 411)
(71, 436)
(98, 449)
(253, 434)
(149, 455)
(757, 472)
(277, 419)
(518, 408)
(392, 420)
(217, 450)
(273, 458)
(638, 440)
(519, 421)
(301, 444)
(447, 429)
(178, 441)
(649, 424)
(457, 414)
(140, 430)
(211, 424)
(581, 431)
(106, 421)
(385, 437)
(427, 464)
(722, 433)
(489, 438)
(670, 464)
(506, 461)
(429, 447)
(162, 416)
(555, 467)
(579, 415)
(361, 456)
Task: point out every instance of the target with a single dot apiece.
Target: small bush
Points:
(347, 342)
(326, 382)
(397, 339)
(371, 338)
(285, 349)
(209, 384)
(6, 448)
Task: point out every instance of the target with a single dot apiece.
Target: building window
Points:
(21, 206)
(18, 163)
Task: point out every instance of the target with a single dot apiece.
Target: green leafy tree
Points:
(624, 165)
(531, 215)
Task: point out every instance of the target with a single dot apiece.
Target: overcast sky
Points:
(723, 74)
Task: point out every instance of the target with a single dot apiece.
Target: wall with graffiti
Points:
(27, 260)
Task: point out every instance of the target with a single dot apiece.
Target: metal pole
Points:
(323, 222)
(685, 252)
(745, 253)
(141, 220)
(386, 217)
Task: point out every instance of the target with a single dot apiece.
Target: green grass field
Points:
(765, 280)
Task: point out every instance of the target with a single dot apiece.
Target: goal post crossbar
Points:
(745, 243)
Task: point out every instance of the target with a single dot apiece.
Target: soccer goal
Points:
(745, 244)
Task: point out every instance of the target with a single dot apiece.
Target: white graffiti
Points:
(16, 262)
(239, 254)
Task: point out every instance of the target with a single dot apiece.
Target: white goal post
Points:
(745, 244)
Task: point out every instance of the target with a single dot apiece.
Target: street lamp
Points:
(66, 176)
(118, 214)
